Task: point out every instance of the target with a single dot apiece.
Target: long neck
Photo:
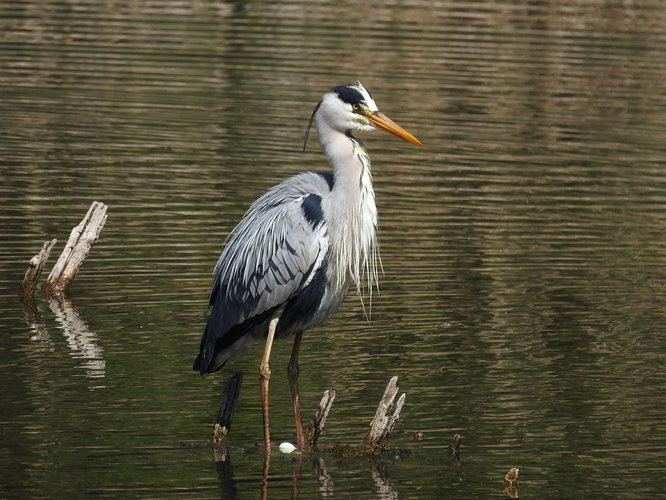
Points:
(350, 209)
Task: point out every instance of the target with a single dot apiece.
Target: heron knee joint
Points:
(293, 370)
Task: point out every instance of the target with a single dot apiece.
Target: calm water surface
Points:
(523, 300)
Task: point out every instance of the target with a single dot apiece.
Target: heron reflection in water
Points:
(291, 260)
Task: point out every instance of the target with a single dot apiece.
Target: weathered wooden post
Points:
(227, 408)
(385, 419)
(511, 482)
(80, 242)
(34, 271)
(319, 420)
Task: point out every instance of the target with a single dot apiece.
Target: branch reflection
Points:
(82, 342)
(385, 489)
(225, 473)
(229, 488)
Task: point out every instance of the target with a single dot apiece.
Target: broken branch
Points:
(386, 416)
(34, 271)
(227, 409)
(319, 420)
(80, 242)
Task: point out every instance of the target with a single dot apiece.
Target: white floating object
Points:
(287, 448)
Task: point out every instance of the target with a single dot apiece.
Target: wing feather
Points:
(269, 258)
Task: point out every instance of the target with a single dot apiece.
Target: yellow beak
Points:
(382, 121)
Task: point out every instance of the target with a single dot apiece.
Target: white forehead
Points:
(366, 97)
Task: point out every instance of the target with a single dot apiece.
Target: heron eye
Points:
(356, 107)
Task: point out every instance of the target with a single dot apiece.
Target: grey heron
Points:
(291, 260)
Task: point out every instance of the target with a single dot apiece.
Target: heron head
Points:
(351, 107)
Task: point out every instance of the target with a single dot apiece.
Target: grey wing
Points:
(270, 257)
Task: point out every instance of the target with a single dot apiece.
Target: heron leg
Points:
(264, 377)
(293, 371)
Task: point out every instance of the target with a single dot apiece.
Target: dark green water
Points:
(523, 300)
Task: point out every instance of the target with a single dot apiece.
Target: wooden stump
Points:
(227, 409)
(385, 419)
(511, 482)
(319, 420)
(81, 240)
(34, 271)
